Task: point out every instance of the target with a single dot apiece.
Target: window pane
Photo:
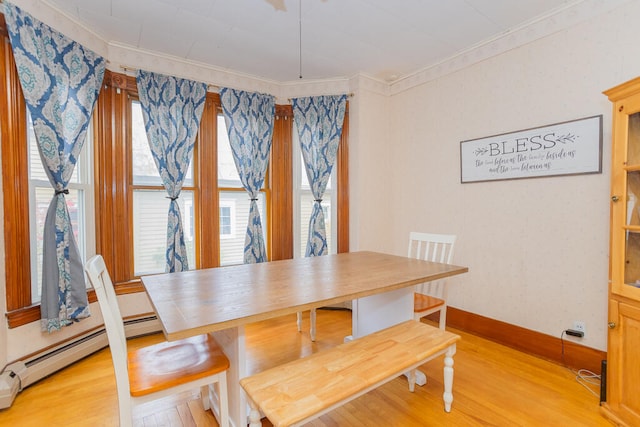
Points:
(43, 196)
(150, 211)
(232, 244)
(227, 215)
(36, 170)
(40, 197)
(303, 204)
(304, 181)
(227, 172)
(145, 171)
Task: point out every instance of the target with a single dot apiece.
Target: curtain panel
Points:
(61, 80)
(249, 119)
(319, 121)
(172, 109)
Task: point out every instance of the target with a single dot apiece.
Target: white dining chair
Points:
(431, 297)
(162, 369)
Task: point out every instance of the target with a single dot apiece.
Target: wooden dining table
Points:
(223, 300)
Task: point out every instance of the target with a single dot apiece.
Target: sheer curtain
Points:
(249, 117)
(61, 80)
(319, 121)
(171, 109)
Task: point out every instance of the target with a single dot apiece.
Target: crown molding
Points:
(123, 57)
(568, 16)
(45, 12)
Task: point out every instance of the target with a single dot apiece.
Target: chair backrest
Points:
(101, 282)
(432, 247)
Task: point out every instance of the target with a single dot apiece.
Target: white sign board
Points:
(567, 148)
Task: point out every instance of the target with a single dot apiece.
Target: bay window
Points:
(119, 207)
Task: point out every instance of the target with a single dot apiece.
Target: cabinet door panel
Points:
(629, 357)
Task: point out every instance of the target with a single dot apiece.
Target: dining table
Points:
(222, 300)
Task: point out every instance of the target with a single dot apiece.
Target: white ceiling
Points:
(383, 39)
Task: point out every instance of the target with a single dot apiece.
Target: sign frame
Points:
(572, 147)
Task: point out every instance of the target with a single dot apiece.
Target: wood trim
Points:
(22, 316)
(25, 315)
(281, 185)
(130, 287)
(113, 225)
(103, 173)
(576, 356)
(342, 187)
(15, 184)
(209, 241)
(30, 314)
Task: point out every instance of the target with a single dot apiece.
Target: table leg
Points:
(312, 321)
(448, 377)
(232, 341)
(376, 312)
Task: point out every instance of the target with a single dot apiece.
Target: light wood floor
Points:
(493, 386)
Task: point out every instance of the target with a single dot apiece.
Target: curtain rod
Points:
(128, 68)
(349, 95)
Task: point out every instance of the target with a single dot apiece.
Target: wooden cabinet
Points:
(623, 348)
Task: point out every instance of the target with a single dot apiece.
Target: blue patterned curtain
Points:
(319, 120)
(61, 80)
(249, 118)
(171, 109)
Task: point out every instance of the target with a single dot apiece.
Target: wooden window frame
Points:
(113, 222)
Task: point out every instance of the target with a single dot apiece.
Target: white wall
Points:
(537, 249)
(370, 144)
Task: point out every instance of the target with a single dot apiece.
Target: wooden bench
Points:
(297, 392)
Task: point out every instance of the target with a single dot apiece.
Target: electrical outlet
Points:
(579, 325)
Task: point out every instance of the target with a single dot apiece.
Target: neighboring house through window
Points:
(227, 219)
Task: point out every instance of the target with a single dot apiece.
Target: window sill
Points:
(31, 314)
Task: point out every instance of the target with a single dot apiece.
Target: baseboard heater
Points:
(20, 374)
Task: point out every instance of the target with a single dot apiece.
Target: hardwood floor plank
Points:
(493, 385)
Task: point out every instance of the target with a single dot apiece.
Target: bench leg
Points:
(421, 378)
(254, 414)
(448, 378)
(411, 376)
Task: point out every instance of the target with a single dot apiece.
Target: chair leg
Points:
(443, 318)
(205, 397)
(223, 397)
(126, 413)
(299, 321)
(312, 332)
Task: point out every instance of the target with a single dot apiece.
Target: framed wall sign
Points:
(567, 148)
